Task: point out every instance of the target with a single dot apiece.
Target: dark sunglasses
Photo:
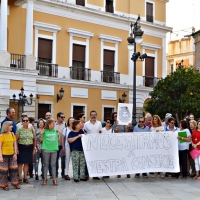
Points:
(24, 120)
(63, 117)
(108, 122)
(141, 121)
(23, 115)
(171, 122)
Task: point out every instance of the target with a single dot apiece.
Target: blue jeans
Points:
(62, 162)
(38, 155)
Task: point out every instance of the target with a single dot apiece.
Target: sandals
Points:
(20, 181)
(16, 186)
(67, 177)
(6, 188)
(55, 182)
(26, 181)
(44, 182)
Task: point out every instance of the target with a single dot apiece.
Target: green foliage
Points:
(178, 93)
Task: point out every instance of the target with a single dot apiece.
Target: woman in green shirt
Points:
(49, 138)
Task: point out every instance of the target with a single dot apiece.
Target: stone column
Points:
(30, 61)
(4, 55)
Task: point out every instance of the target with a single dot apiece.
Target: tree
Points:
(178, 94)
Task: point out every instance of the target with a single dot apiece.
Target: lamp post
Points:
(22, 99)
(135, 38)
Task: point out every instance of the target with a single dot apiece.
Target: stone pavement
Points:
(108, 189)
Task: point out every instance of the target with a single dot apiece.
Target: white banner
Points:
(130, 153)
(124, 113)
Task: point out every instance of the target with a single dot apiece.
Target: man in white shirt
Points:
(60, 125)
(91, 127)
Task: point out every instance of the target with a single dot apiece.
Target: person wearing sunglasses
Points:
(141, 127)
(59, 126)
(81, 118)
(107, 128)
(20, 124)
(27, 148)
(171, 125)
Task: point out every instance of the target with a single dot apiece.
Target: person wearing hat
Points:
(165, 123)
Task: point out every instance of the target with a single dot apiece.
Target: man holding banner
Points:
(93, 126)
(141, 128)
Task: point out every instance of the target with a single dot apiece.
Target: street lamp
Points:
(135, 38)
(123, 99)
(60, 96)
(22, 99)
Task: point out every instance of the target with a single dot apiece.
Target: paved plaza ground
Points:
(108, 189)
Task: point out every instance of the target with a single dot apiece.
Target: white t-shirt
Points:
(65, 133)
(158, 128)
(184, 145)
(92, 128)
(107, 131)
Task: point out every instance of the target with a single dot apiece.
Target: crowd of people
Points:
(23, 146)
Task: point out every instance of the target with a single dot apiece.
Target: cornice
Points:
(110, 38)
(18, 71)
(150, 46)
(166, 1)
(80, 33)
(109, 19)
(46, 27)
(191, 53)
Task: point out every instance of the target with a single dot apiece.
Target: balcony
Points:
(80, 2)
(110, 77)
(47, 69)
(17, 61)
(149, 81)
(109, 9)
(80, 73)
(149, 18)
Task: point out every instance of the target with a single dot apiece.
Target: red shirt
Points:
(196, 138)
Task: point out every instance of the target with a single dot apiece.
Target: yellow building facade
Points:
(80, 46)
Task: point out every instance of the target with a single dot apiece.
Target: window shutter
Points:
(79, 52)
(149, 66)
(45, 48)
(109, 58)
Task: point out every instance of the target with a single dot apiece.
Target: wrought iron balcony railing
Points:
(109, 8)
(150, 81)
(149, 18)
(17, 61)
(110, 77)
(80, 2)
(47, 69)
(80, 73)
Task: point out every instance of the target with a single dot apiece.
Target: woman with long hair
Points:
(65, 146)
(8, 157)
(26, 147)
(157, 127)
(38, 155)
(49, 138)
(78, 158)
(183, 147)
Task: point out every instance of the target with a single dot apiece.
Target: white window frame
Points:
(114, 5)
(107, 106)
(82, 34)
(109, 39)
(78, 104)
(152, 2)
(152, 47)
(44, 102)
(50, 28)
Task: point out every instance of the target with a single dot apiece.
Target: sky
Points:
(181, 16)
